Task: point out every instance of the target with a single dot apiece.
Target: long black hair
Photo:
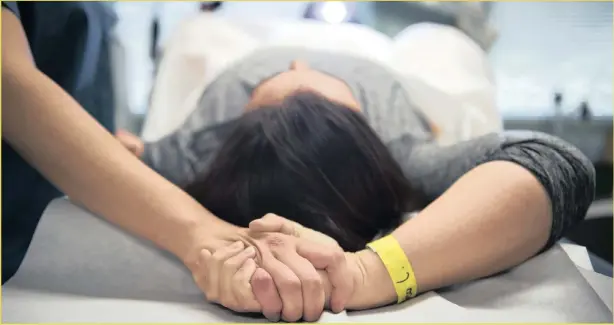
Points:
(309, 160)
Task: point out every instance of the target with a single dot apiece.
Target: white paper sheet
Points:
(81, 269)
(578, 255)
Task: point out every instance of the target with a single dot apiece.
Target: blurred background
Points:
(552, 64)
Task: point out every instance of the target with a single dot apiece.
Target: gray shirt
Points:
(566, 174)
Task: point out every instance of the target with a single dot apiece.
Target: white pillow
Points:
(439, 59)
(354, 39)
(199, 50)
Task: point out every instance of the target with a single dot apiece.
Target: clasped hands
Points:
(279, 268)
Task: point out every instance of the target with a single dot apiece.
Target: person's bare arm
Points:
(477, 228)
(499, 200)
(52, 132)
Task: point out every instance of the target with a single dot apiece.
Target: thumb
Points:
(274, 223)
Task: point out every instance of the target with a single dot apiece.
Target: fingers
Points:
(215, 266)
(130, 141)
(289, 288)
(229, 284)
(333, 261)
(266, 293)
(311, 285)
(242, 289)
(230, 270)
(273, 223)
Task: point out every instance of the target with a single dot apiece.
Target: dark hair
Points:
(309, 160)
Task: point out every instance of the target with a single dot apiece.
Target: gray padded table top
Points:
(81, 269)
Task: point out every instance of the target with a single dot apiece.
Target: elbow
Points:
(575, 194)
(566, 174)
(572, 199)
(584, 184)
(586, 175)
(574, 175)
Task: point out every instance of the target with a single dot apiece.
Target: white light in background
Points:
(333, 11)
(431, 3)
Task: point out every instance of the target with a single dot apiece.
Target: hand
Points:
(224, 276)
(286, 278)
(131, 142)
(299, 250)
(292, 264)
(371, 283)
(227, 280)
(205, 259)
(231, 270)
(201, 261)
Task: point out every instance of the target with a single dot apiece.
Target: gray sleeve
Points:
(168, 158)
(181, 156)
(567, 175)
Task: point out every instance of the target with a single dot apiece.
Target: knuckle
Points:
(312, 283)
(310, 319)
(292, 314)
(275, 240)
(262, 278)
(337, 256)
(269, 216)
(313, 316)
(217, 258)
(291, 284)
(272, 307)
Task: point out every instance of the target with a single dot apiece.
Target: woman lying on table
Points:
(334, 145)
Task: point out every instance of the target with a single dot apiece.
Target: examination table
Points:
(79, 268)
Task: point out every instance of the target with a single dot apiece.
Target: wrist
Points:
(373, 287)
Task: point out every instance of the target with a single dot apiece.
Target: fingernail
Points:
(250, 250)
(248, 262)
(238, 244)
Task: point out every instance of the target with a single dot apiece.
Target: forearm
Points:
(73, 151)
(493, 218)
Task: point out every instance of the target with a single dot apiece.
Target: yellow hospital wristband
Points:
(397, 265)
